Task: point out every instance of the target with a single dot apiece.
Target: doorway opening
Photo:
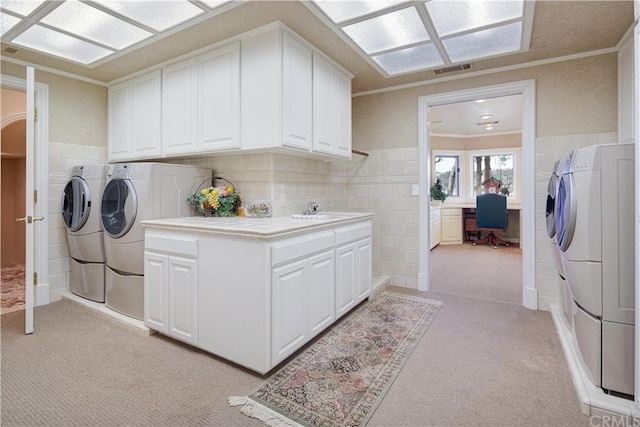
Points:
(12, 181)
(475, 149)
(527, 217)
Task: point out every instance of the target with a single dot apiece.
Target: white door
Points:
(30, 220)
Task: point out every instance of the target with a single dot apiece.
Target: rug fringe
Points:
(260, 412)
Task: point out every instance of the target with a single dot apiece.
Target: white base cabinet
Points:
(254, 301)
(451, 226)
(171, 287)
(435, 228)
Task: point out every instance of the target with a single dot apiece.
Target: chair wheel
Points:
(508, 244)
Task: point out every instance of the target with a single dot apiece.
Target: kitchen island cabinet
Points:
(253, 290)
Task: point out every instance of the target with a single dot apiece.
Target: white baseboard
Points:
(530, 298)
(593, 400)
(42, 294)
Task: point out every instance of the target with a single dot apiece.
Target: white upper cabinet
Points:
(201, 103)
(134, 118)
(331, 109)
(276, 91)
(267, 89)
(292, 96)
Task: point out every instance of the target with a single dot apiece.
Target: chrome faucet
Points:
(313, 208)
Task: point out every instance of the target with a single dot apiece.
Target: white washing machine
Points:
(81, 215)
(135, 192)
(594, 228)
(552, 191)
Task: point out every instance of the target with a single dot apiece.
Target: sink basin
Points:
(325, 215)
(310, 217)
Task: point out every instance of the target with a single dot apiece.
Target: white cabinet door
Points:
(331, 109)
(323, 106)
(134, 118)
(363, 266)
(342, 117)
(147, 116)
(120, 114)
(321, 292)
(289, 305)
(180, 108)
(296, 93)
(345, 279)
(451, 226)
(155, 291)
(219, 99)
(182, 299)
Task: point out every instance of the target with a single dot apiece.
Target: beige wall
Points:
(475, 143)
(572, 97)
(13, 204)
(576, 104)
(13, 102)
(77, 109)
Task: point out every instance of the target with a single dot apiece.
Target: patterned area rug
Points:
(12, 284)
(342, 377)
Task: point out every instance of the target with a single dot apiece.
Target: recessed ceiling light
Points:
(479, 101)
(485, 117)
(489, 127)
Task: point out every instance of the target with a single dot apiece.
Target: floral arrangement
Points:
(222, 200)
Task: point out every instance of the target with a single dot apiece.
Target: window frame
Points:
(513, 151)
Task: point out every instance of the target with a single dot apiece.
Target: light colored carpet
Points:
(482, 362)
(478, 272)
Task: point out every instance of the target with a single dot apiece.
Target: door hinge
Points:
(35, 114)
(35, 278)
(35, 196)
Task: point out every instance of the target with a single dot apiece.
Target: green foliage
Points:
(437, 192)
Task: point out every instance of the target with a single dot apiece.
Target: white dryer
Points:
(135, 192)
(594, 228)
(81, 216)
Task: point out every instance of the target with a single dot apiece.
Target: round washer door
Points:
(76, 203)
(565, 213)
(551, 205)
(119, 207)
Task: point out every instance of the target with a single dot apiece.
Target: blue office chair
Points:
(491, 214)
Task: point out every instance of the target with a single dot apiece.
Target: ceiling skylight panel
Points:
(388, 31)
(21, 7)
(214, 3)
(92, 24)
(158, 15)
(340, 11)
(7, 22)
(55, 43)
(494, 41)
(454, 16)
(410, 59)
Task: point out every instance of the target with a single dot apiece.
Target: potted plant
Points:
(437, 193)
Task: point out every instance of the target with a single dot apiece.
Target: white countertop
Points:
(260, 228)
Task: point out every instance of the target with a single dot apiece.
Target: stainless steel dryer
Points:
(81, 216)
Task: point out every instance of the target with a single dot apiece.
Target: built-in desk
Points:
(459, 223)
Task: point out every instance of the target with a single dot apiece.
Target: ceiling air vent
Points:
(452, 69)
(11, 50)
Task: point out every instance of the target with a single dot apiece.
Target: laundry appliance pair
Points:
(103, 207)
(594, 221)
